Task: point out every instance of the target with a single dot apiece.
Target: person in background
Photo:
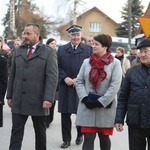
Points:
(52, 43)
(17, 43)
(83, 40)
(89, 40)
(134, 101)
(31, 88)
(2, 52)
(70, 58)
(3, 85)
(125, 63)
(1, 43)
(137, 59)
(100, 74)
(22, 37)
(132, 55)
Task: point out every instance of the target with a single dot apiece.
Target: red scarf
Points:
(97, 73)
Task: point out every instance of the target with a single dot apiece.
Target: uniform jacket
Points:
(134, 99)
(69, 63)
(33, 80)
(3, 78)
(98, 117)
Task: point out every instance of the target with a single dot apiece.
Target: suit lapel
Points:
(69, 48)
(23, 53)
(34, 54)
(78, 50)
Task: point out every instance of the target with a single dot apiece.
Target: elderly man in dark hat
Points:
(70, 58)
(134, 100)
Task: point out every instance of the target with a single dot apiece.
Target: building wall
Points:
(107, 25)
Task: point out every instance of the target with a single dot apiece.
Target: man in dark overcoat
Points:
(32, 86)
(70, 58)
(3, 85)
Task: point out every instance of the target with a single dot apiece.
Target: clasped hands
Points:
(70, 82)
(91, 105)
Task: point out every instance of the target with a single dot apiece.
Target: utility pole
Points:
(12, 17)
(129, 20)
(75, 12)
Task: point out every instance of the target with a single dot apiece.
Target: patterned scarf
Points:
(97, 73)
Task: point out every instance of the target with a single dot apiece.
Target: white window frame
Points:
(95, 27)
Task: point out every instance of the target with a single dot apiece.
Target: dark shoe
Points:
(79, 140)
(65, 145)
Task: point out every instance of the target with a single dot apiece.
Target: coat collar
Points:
(79, 49)
(24, 49)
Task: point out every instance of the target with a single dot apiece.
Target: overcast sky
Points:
(111, 8)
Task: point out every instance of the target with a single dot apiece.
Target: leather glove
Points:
(109, 106)
(91, 105)
(98, 104)
(84, 99)
(88, 105)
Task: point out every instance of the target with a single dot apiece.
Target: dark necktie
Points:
(74, 47)
(29, 52)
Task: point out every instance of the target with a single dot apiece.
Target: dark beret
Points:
(144, 43)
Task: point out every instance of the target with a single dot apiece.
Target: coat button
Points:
(24, 79)
(24, 92)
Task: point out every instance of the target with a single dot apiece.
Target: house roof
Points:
(147, 14)
(95, 8)
(82, 15)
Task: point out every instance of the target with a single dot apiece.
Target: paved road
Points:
(54, 140)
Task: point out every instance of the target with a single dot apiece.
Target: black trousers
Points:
(17, 132)
(139, 138)
(89, 138)
(66, 125)
(1, 115)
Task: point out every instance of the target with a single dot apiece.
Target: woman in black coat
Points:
(3, 85)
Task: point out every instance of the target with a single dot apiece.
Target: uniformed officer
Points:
(70, 58)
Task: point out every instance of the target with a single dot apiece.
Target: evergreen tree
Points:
(27, 12)
(136, 10)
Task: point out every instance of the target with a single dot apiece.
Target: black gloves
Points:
(91, 105)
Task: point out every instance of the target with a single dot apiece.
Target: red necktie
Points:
(29, 52)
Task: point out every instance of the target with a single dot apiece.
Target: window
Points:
(95, 27)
